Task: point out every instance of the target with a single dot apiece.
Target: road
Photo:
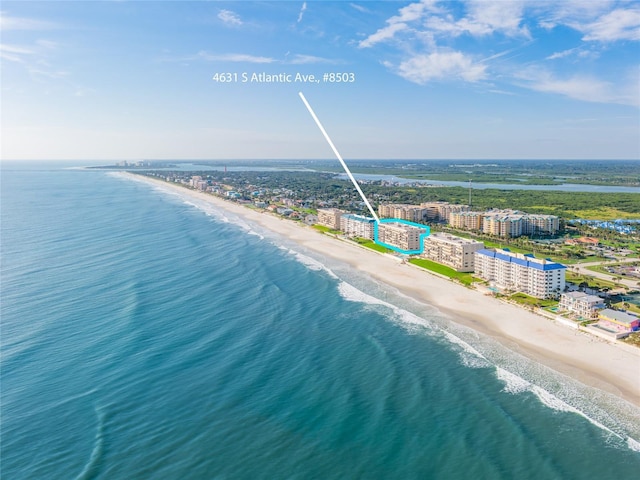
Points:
(582, 268)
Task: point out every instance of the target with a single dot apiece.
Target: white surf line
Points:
(335, 150)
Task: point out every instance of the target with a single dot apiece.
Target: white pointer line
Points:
(335, 150)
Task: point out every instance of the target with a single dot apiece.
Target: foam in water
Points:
(472, 358)
(90, 469)
(515, 384)
(310, 263)
(512, 382)
(633, 444)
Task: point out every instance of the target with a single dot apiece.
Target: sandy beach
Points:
(589, 360)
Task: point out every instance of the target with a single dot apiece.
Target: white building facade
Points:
(330, 217)
(539, 278)
(357, 225)
(400, 235)
(455, 252)
(582, 304)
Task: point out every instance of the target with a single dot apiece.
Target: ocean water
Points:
(148, 336)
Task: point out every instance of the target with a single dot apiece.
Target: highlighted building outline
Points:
(364, 198)
(406, 222)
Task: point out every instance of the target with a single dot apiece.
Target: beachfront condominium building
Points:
(466, 220)
(400, 235)
(412, 213)
(455, 252)
(442, 210)
(357, 225)
(539, 278)
(582, 304)
(330, 217)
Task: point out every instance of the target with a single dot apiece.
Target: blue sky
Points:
(469, 79)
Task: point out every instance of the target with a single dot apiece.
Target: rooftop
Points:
(527, 260)
(620, 317)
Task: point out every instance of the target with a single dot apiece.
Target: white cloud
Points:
(301, 14)
(229, 17)
(619, 24)
(22, 23)
(383, 34)
(15, 53)
(230, 57)
(601, 21)
(439, 65)
(360, 8)
(581, 87)
(577, 51)
(562, 54)
(308, 59)
(397, 23)
(484, 17)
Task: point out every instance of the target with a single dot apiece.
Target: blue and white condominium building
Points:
(357, 225)
(520, 273)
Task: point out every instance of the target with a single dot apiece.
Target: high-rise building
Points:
(412, 213)
(357, 225)
(520, 273)
(330, 217)
(466, 220)
(455, 252)
(540, 224)
(400, 235)
(502, 225)
(442, 210)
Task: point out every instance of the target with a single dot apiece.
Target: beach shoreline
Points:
(589, 360)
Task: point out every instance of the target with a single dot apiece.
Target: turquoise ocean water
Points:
(146, 336)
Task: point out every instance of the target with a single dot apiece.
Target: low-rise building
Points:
(455, 252)
(400, 235)
(614, 324)
(357, 225)
(510, 271)
(330, 217)
(623, 319)
(582, 304)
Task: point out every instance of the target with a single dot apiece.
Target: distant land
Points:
(525, 172)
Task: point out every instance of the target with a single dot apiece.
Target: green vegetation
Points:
(633, 339)
(323, 229)
(526, 172)
(464, 278)
(327, 187)
(586, 205)
(483, 178)
(528, 300)
(365, 242)
(628, 306)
